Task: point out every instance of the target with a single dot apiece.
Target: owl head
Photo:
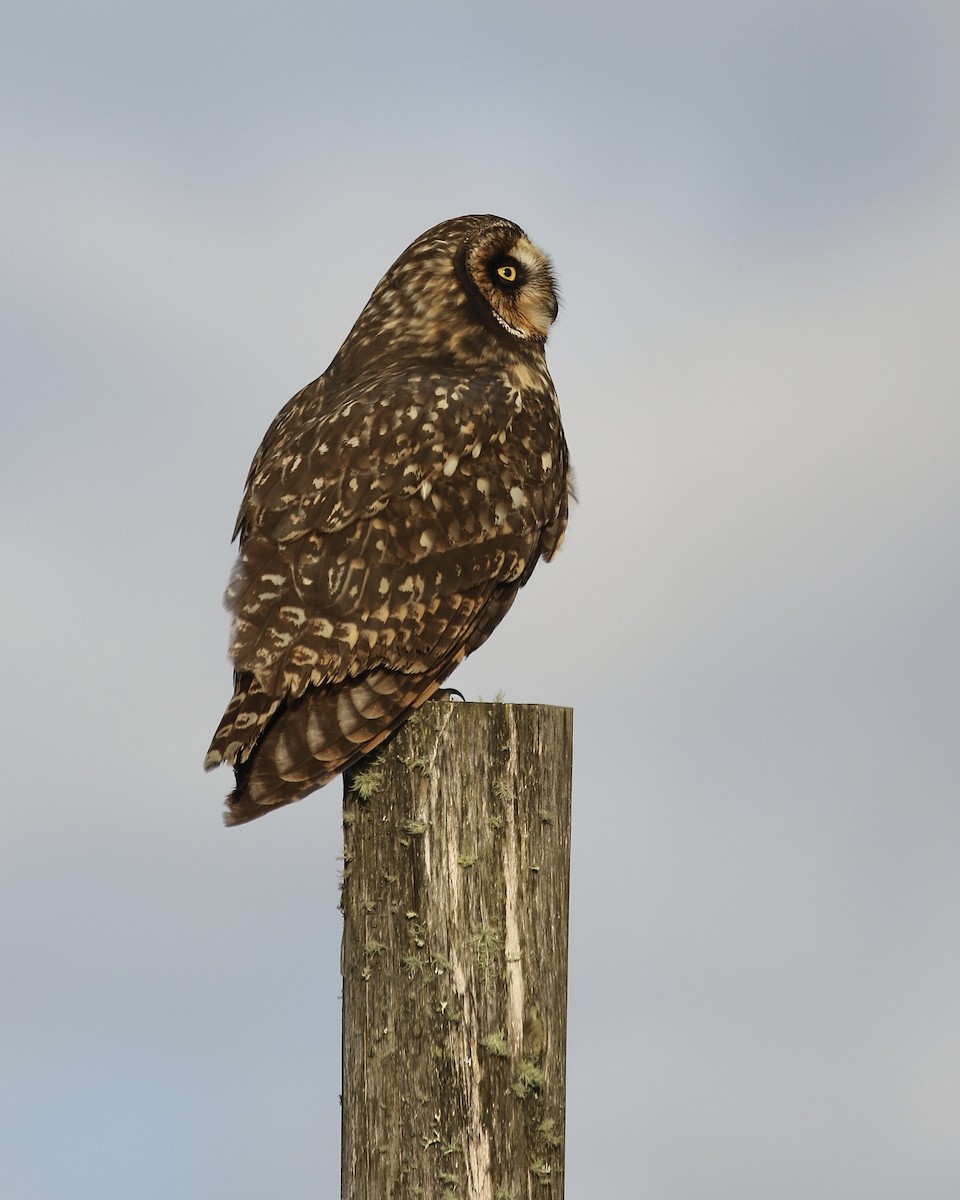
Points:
(510, 277)
(470, 290)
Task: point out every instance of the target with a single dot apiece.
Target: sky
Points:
(752, 210)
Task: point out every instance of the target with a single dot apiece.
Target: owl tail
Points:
(311, 740)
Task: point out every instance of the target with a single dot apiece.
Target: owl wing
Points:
(381, 541)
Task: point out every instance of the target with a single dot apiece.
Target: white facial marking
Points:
(518, 333)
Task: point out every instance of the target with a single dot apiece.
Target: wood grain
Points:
(455, 902)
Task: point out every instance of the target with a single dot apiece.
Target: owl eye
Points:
(507, 272)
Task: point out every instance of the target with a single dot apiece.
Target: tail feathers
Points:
(312, 739)
(246, 715)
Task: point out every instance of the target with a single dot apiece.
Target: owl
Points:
(393, 511)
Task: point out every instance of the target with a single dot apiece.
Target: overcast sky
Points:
(754, 212)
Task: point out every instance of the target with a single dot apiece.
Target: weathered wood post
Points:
(455, 898)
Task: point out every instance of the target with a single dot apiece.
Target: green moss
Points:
(547, 1130)
(414, 964)
(530, 1074)
(414, 720)
(529, 1078)
(486, 941)
(496, 1043)
(368, 782)
(418, 762)
(502, 790)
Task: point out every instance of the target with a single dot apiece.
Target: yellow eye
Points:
(507, 273)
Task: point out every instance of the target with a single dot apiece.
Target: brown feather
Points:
(392, 512)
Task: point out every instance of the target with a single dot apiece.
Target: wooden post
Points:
(455, 899)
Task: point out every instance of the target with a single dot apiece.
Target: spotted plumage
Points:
(393, 510)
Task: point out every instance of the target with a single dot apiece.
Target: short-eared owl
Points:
(393, 510)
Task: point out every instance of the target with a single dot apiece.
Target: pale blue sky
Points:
(753, 212)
